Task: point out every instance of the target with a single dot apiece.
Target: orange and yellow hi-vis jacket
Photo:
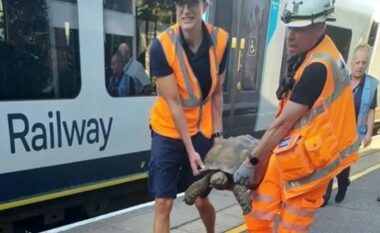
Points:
(198, 112)
(324, 141)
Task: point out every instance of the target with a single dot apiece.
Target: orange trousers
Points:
(295, 215)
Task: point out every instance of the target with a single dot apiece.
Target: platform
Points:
(358, 213)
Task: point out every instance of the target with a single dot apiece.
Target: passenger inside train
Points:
(134, 69)
(120, 84)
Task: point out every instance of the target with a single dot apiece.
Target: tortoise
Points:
(221, 162)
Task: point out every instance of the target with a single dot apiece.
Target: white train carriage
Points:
(61, 132)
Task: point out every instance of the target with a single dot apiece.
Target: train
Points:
(64, 136)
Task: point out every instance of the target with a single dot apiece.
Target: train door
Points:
(247, 23)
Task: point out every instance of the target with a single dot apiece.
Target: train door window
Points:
(125, 73)
(153, 17)
(39, 56)
(253, 29)
(123, 6)
(373, 33)
(342, 39)
(2, 27)
(119, 24)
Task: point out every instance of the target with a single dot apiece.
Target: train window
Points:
(153, 17)
(126, 44)
(124, 6)
(125, 76)
(39, 56)
(373, 33)
(342, 39)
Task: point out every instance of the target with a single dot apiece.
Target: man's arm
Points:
(278, 129)
(167, 88)
(217, 106)
(304, 94)
(272, 136)
(370, 122)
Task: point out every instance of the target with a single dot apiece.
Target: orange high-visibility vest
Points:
(197, 111)
(324, 141)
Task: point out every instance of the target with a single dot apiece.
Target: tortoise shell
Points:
(230, 153)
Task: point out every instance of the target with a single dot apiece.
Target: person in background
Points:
(313, 136)
(364, 88)
(119, 84)
(188, 61)
(135, 70)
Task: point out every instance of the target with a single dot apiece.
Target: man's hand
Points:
(244, 174)
(196, 162)
(367, 140)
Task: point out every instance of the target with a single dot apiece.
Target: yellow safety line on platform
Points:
(73, 191)
(238, 229)
(242, 228)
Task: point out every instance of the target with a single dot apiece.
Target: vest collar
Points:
(205, 34)
(362, 80)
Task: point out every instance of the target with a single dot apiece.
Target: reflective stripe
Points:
(294, 227)
(300, 212)
(341, 76)
(214, 38)
(313, 113)
(340, 83)
(324, 171)
(193, 100)
(355, 147)
(262, 215)
(262, 198)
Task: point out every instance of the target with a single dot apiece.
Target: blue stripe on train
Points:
(273, 14)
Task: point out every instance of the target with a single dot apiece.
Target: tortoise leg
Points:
(243, 197)
(196, 189)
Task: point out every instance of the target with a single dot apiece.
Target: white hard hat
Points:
(302, 13)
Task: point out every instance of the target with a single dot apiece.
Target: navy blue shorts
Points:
(169, 160)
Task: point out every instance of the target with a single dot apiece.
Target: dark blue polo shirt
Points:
(199, 61)
(358, 92)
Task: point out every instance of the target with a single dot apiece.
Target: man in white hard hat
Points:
(314, 134)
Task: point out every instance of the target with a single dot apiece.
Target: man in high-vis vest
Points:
(313, 136)
(188, 61)
(364, 88)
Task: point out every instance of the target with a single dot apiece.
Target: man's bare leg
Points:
(162, 209)
(207, 213)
